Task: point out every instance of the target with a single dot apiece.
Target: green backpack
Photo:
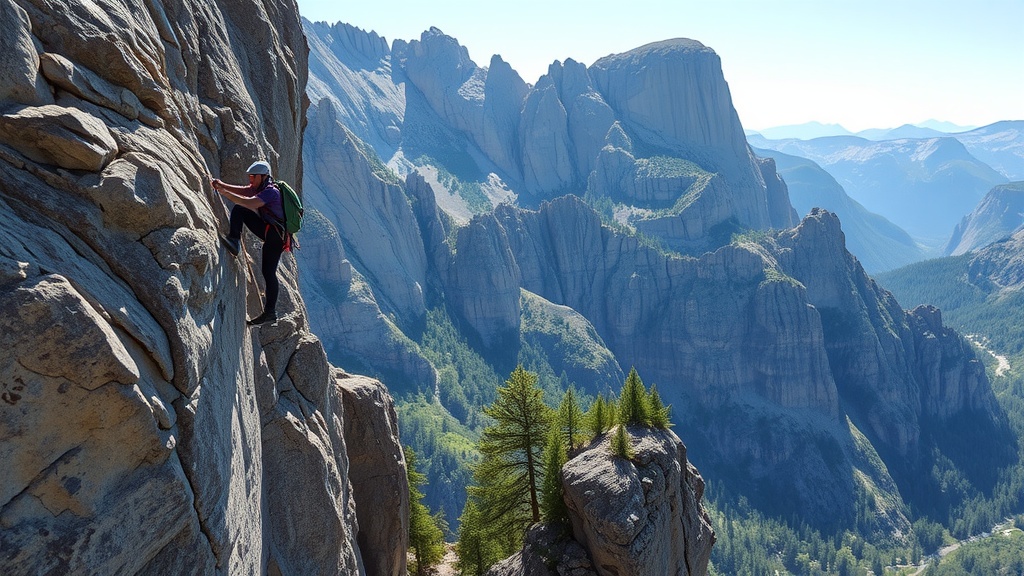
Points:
(292, 207)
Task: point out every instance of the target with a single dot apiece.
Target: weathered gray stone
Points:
(641, 516)
(486, 296)
(86, 85)
(49, 329)
(547, 551)
(65, 137)
(19, 67)
(377, 474)
(368, 207)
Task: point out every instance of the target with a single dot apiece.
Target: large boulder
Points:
(641, 516)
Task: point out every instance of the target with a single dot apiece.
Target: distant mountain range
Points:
(809, 130)
(878, 243)
(924, 185)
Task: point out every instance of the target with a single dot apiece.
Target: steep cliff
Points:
(999, 214)
(144, 427)
(364, 234)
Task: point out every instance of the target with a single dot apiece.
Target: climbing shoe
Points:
(231, 244)
(267, 316)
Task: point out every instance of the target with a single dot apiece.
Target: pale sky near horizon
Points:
(862, 64)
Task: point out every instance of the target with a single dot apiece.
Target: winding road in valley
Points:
(980, 341)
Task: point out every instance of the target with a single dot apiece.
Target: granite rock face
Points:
(368, 207)
(609, 129)
(144, 428)
(366, 262)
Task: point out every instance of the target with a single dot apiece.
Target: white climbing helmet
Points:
(259, 167)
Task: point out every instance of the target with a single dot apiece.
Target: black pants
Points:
(273, 246)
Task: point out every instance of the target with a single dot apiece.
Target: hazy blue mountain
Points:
(876, 242)
(999, 214)
(904, 131)
(814, 129)
(943, 126)
(1000, 145)
(925, 186)
(805, 131)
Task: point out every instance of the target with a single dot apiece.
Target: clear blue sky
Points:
(862, 64)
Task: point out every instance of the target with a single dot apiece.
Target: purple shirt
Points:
(271, 197)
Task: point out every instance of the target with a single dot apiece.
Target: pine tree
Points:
(553, 502)
(570, 419)
(510, 472)
(598, 416)
(476, 548)
(659, 412)
(426, 537)
(622, 443)
(633, 403)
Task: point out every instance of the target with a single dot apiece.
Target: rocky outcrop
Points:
(672, 94)
(950, 386)
(643, 515)
(999, 214)
(377, 473)
(638, 516)
(145, 428)
(547, 551)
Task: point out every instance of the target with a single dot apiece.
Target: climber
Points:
(258, 206)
